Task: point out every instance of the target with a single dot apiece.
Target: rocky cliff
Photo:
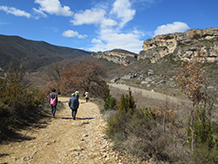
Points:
(118, 56)
(185, 46)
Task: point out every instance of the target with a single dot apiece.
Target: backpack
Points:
(53, 100)
(75, 103)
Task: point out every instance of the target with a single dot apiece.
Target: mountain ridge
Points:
(181, 46)
(119, 56)
(34, 54)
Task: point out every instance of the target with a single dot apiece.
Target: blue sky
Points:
(100, 25)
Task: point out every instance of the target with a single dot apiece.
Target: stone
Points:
(144, 82)
(148, 79)
(150, 72)
(161, 82)
(115, 79)
(127, 77)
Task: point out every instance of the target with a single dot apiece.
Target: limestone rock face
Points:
(183, 45)
(117, 56)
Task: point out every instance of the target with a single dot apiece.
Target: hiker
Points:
(87, 96)
(74, 105)
(77, 93)
(53, 101)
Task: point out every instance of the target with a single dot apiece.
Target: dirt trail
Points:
(63, 140)
(146, 93)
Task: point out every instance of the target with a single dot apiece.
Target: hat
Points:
(73, 94)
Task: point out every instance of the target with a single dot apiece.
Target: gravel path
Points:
(146, 93)
(63, 140)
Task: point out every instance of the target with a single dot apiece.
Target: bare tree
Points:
(85, 76)
(53, 77)
(190, 80)
(16, 68)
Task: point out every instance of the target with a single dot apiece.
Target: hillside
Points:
(158, 64)
(34, 54)
(118, 56)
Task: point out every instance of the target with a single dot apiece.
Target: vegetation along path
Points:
(63, 140)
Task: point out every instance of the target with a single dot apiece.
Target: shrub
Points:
(203, 154)
(127, 103)
(205, 131)
(109, 103)
(18, 106)
(117, 125)
(105, 92)
(141, 136)
(203, 128)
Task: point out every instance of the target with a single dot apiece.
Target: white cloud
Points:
(108, 23)
(14, 11)
(39, 13)
(171, 28)
(93, 16)
(121, 8)
(111, 39)
(71, 33)
(98, 41)
(54, 7)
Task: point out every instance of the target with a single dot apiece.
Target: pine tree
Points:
(105, 92)
(127, 103)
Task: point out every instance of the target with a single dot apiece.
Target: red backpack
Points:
(53, 100)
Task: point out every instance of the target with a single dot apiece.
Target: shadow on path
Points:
(67, 118)
(2, 155)
(16, 137)
(85, 118)
(64, 101)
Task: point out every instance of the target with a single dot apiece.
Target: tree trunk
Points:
(192, 128)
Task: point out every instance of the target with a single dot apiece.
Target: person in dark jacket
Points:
(74, 105)
(54, 96)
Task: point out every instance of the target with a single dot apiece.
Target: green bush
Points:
(109, 103)
(141, 136)
(205, 147)
(203, 154)
(118, 124)
(127, 103)
(18, 106)
(137, 132)
(105, 92)
(203, 128)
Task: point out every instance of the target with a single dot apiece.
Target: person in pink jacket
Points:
(53, 101)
